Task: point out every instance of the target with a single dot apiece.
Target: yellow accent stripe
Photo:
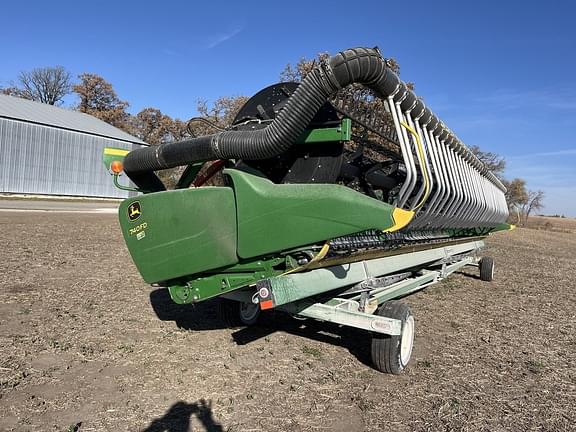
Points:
(512, 227)
(401, 219)
(115, 151)
(421, 159)
(323, 252)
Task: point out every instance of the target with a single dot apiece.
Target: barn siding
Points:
(38, 159)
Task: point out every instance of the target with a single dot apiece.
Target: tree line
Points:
(98, 98)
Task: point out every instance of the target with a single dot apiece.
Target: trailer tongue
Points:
(340, 194)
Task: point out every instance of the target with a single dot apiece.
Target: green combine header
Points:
(336, 196)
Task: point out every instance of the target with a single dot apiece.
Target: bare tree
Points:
(219, 114)
(48, 85)
(534, 201)
(493, 161)
(297, 72)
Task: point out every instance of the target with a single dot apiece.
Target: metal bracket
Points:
(374, 283)
(343, 132)
(443, 272)
(122, 187)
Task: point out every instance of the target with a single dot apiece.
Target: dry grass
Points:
(557, 224)
(82, 347)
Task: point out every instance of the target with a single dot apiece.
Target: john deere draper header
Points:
(344, 180)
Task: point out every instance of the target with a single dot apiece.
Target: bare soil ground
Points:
(86, 345)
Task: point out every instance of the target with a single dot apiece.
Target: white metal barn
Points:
(54, 151)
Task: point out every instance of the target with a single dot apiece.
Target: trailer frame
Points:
(354, 294)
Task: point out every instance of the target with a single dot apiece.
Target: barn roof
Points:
(49, 115)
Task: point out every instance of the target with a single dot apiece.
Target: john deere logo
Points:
(134, 211)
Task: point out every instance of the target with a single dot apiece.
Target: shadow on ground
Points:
(470, 273)
(177, 418)
(200, 316)
(204, 316)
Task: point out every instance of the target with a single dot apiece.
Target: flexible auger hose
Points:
(364, 66)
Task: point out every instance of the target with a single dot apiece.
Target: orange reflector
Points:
(116, 167)
(268, 304)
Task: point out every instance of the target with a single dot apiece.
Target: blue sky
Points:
(501, 74)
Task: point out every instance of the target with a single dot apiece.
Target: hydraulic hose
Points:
(364, 66)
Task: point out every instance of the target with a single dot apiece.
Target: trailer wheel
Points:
(391, 354)
(235, 313)
(486, 266)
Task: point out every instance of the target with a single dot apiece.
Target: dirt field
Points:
(567, 225)
(86, 345)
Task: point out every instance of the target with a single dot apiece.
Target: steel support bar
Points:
(346, 317)
(347, 311)
(280, 290)
(427, 277)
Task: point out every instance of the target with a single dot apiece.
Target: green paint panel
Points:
(340, 133)
(182, 232)
(226, 280)
(275, 217)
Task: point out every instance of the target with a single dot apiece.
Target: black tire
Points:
(486, 266)
(235, 314)
(387, 353)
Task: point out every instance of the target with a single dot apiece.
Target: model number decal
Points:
(138, 228)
